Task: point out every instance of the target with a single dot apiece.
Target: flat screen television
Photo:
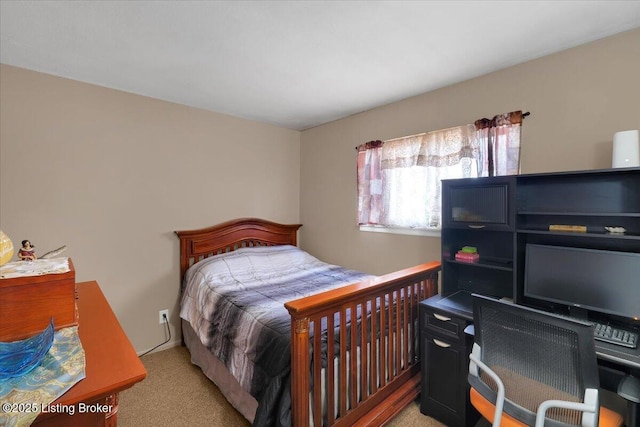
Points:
(584, 279)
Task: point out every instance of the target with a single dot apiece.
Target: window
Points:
(399, 179)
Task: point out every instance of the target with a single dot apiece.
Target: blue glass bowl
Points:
(19, 357)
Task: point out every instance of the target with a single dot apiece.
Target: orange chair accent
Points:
(607, 418)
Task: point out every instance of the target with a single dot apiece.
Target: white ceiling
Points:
(295, 64)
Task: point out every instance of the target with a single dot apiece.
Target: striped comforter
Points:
(235, 303)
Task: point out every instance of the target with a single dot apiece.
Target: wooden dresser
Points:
(112, 365)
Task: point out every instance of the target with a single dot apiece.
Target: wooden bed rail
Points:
(379, 369)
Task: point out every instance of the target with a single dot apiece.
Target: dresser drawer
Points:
(445, 324)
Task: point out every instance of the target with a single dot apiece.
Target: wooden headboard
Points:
(196, 245)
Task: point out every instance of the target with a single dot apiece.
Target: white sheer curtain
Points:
(407, 190)
(399, 179)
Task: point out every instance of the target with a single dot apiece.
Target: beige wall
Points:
(112, 175)
(577, 98)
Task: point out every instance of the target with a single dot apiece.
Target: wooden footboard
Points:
(384, 374)
(373, 328)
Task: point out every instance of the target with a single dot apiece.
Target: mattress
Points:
(234, 304)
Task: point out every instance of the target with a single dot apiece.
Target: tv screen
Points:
(596, 280)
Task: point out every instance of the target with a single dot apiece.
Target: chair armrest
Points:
(589, 407)
(474, 363)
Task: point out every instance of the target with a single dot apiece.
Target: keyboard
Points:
(607, 333)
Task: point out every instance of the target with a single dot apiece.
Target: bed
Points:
(357, 339)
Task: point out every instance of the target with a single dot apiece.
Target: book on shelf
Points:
(467, 257)
(563, 227)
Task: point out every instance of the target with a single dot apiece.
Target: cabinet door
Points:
(479, 204)
(445, 391)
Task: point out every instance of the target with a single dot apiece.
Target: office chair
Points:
(531, 368)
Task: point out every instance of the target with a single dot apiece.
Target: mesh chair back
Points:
(538, 357)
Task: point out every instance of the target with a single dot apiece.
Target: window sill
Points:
(401, 230)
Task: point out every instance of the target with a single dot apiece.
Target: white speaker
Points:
(626, 149)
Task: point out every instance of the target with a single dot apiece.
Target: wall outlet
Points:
(164, 312)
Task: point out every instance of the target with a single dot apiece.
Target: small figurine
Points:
(27, 252)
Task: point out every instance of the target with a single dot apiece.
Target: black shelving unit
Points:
(500, 216)
(479, 213)
(594, 199)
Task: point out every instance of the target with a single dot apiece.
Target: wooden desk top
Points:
(112, 364)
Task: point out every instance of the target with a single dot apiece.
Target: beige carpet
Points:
(176, 393)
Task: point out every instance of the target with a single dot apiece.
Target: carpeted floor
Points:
(176, 393)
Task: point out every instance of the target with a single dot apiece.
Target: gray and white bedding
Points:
(235, 304)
